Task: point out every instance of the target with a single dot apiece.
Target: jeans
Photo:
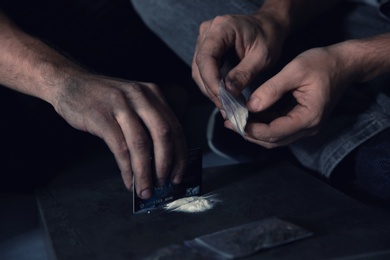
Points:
(362, 113)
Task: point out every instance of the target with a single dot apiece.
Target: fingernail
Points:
(231, 85)
(146, 193)
(177, 179)
(223, 113)
(254, 104)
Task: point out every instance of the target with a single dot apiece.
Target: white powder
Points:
(193, 204)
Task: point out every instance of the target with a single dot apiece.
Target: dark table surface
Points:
(87, 214)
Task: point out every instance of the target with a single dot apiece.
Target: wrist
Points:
(47, 74)
(29, 66)
(55, 77)
(276, 17)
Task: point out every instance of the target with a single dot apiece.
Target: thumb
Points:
(269, 93)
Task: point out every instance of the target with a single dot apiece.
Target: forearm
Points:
(293, 14)
(365, 58)
(29, 66)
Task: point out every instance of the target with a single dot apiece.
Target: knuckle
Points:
(263, 57)
(140, 142)
(123, 150)
(243, 76)
(151, 86)
(136, 95)
(138, 91)
(220, 19)
(204, 26)
(300, 64)
(271, 89)
(115, 95)
(313, 125)
(164, 132)
(136, 87)
(313, 120)
(200, 57)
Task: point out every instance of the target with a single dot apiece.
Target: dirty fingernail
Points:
(177, 179)
(146, 193)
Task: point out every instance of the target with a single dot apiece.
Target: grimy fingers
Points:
(168, 138)
(139, 147)
(211, 48)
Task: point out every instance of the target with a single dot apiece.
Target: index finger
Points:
(283, 130)
(208, 61)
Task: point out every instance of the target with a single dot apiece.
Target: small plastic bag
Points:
(245, 240)
(235, 108)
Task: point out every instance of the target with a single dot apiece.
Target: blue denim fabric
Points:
(362, 113)
(373, 165)
(177, 22)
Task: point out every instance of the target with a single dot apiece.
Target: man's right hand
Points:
(134, 120)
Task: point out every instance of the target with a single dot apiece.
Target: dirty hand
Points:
(134, 120)
(255, 40)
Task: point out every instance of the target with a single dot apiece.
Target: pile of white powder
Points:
(193, 204)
